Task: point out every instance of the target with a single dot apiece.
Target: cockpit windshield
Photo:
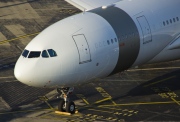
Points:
(34, 54)
(44, 54)
(25, 53)
(52, 53)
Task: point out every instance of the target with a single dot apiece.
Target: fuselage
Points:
(101, 42)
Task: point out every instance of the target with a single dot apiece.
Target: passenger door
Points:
(82, 48)
(146, 30)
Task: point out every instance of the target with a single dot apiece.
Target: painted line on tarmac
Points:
(20, 37)
(159, 81)
(87, 103)
(110, 107)
(7, 77)
(153, 69)
(23, 111)
(127, 80)
(140, 103)
(101, 111)
(175, 101)
(81, 96)
(103, 100)
(104, 94)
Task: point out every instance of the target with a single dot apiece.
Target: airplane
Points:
(108, 37)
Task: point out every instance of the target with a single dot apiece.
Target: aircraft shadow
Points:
(162, 84)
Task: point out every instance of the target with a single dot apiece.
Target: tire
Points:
(61, 106)
(70, 107)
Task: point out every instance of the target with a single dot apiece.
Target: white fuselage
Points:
(101, 42)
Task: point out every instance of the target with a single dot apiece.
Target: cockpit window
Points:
(44, 54)
(34, 54)
(52, 53)
(25, 53)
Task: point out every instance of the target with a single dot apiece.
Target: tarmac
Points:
(147, 93)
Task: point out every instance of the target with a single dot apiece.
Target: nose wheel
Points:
(66, 105)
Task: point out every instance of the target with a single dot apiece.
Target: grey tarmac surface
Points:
(147, 93)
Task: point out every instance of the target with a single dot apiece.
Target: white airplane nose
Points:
(27, 73)
(17, 74)
(20, 73)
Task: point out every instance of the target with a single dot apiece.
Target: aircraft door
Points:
(146, 30)
(83, 48)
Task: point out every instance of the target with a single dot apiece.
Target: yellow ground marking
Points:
(64, 113)
(94, 115)
(175, 101)
(101, 111)
(105, 95)
(114, 119)
(159, 81)
(113, 102)
(140, 103)
(85, 101)
(20, 37)
(83, 98)
(2, 37)
(125, 114)
(23, 111)
(118, 113)
(49, 105)
(88, 114)
(100, 101)
(54, 118)
(45, 99)
(110, 107)
(153, 69)
(130, 114)
(105, 99)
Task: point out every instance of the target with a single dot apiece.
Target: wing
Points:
(90, 4)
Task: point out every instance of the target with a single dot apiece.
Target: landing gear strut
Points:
(66, 105)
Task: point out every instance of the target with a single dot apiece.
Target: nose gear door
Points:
(83, 48)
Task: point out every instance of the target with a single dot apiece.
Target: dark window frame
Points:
(25, 53)
(174, 19)
(167, 22)
(112, 41)
(177, 18)
(34, 54)
(115, 39)
(46, 55)
(171, 21)
(108, 42)
(52, 53)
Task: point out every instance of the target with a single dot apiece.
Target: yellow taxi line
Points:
(22, 111)
(101, 111)
(159, 81)
(147, 69)
(100, 101)
(87, 103)
(141, 103)
(20, 37)
(175, 101)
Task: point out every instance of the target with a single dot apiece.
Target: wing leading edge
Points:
(90, 4)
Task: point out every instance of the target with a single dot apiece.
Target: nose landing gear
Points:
(66, 105)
